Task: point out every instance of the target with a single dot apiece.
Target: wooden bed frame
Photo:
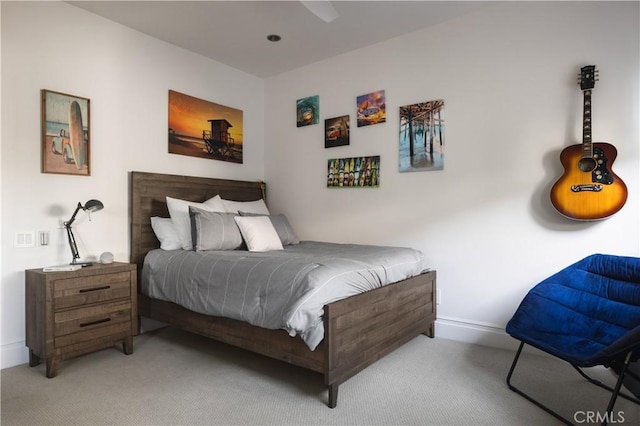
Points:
(359, 330)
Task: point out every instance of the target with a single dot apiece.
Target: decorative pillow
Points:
(257, 207)
(214, 230)
(258, 232)
(179, 212)
(166, 233)
(283, 228)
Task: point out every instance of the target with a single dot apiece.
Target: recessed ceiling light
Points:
(274, 37)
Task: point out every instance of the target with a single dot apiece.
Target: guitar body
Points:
(588, 189)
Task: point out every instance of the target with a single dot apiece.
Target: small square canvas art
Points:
(308, 111)
(371, 108)
(336, 131)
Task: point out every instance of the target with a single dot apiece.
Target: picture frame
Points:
(205, 129)
(66, 133)
(371, 108)
(336, 131)
(308, 111)
(353, 172)
(421, 136)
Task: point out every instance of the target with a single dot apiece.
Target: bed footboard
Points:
(358, 330)
(364, 328)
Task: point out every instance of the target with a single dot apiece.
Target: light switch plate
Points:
(25, 239)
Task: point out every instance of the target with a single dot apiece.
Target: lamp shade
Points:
(93, 206)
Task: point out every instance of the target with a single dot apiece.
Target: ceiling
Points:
(234, 32)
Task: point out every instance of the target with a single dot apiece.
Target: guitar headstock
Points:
(588, 77)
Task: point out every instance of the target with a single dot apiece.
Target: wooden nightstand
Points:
(76, 312)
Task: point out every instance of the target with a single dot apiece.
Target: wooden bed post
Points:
(333, 395)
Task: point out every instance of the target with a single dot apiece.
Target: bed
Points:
(358, 330)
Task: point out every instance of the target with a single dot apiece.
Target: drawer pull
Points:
(100, 321)
(87, 290)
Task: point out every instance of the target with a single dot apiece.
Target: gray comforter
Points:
(277, 289)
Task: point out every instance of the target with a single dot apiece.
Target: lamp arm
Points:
(72, 244)
(91, 205)
(68, 223)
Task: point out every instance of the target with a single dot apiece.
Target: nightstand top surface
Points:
(94, 269)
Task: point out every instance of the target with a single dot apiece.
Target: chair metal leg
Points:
(521, 393)
(615, 392)
(622, 374)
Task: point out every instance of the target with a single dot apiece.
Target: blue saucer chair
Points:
(587, 314)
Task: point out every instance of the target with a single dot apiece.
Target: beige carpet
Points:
(176, 378)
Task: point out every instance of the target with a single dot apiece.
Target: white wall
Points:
(127, 76)
(507, 75)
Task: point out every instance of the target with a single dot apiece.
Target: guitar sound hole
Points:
(587, 164)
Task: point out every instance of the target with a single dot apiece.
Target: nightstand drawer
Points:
(81, 291)
(92, 317)
(117, 330)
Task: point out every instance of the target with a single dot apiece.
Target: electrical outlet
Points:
(438, 296)
(24, 239)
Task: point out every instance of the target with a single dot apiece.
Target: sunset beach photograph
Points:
(200, 128)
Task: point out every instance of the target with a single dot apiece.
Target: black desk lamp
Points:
(89, 206)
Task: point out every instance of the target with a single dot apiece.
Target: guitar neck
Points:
(587, 145)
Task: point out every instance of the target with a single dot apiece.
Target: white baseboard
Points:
(484, 334)
(14, 354)
(479, 333)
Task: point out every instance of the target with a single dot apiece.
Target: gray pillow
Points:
(283, 228)
(214, 230)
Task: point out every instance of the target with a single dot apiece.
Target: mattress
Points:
(281, 289)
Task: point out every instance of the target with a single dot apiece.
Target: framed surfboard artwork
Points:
(65, 134)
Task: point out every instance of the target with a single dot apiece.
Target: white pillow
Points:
(257, 207)
(282, 226)
(179, 212)
(258, 232)
(166, 233)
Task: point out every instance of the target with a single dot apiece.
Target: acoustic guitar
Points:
(588, 189)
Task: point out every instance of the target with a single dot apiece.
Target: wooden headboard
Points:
(148, 192)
